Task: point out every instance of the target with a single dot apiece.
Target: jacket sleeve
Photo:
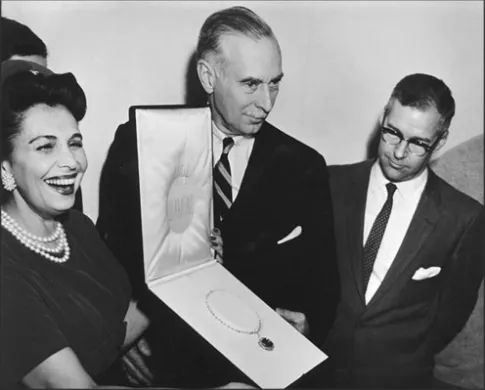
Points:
(460, 284)
(321, 285)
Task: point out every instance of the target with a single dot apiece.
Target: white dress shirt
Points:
(238, 156)
(405, 201)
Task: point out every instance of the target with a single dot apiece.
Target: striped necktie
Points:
(222, 183)
(376, 233)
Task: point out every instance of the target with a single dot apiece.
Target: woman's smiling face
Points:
(47, 160)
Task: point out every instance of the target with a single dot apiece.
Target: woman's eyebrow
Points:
(49, 137)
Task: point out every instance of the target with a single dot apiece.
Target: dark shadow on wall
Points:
(195, 96)
(373, 141)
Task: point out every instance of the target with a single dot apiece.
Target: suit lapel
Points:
(355, 221)
(258, 160)
(422, 225)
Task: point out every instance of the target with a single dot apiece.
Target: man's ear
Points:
(442, 141)
(380, 119)
(383, 114)
(207, 75)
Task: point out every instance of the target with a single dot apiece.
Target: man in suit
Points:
(409, 247)
(272, 186)
(277, 225)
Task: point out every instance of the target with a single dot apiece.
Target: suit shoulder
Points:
(123, 149)
(125, 130)
(344, 168)
(346, 171)
(298, 148)
(459, 201)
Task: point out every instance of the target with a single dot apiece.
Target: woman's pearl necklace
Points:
(36, 243)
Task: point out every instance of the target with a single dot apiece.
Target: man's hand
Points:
(134, 364)
(216, 243)
(296, 319)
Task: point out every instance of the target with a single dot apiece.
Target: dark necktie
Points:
(375, 236)
(222, 183)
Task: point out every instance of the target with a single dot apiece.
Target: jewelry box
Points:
(175, 169)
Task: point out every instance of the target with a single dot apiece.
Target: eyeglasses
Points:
(416, 147)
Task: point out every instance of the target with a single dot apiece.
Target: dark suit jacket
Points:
(285, 186)
(391, 341)
(119, 217)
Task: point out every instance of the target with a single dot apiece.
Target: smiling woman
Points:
(65, 299)
(45, 154)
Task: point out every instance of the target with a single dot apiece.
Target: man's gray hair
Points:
(231, 20)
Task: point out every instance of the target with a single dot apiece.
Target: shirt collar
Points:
(408, 190)
(219, 135)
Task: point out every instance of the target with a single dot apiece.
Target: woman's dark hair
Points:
(27, 88)
(18, 39)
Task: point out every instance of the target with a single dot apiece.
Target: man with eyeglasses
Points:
(409, 248)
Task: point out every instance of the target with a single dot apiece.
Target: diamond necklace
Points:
(218, 301)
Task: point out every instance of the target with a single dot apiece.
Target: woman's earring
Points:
(8, 181)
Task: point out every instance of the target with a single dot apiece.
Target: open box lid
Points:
(175, 169)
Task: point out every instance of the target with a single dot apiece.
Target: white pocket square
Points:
(295, 233)
(426, 273)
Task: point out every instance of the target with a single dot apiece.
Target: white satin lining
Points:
(174, 144)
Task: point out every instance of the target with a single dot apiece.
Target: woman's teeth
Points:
(60, 182)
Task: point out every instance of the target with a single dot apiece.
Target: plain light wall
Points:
(340, 59)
